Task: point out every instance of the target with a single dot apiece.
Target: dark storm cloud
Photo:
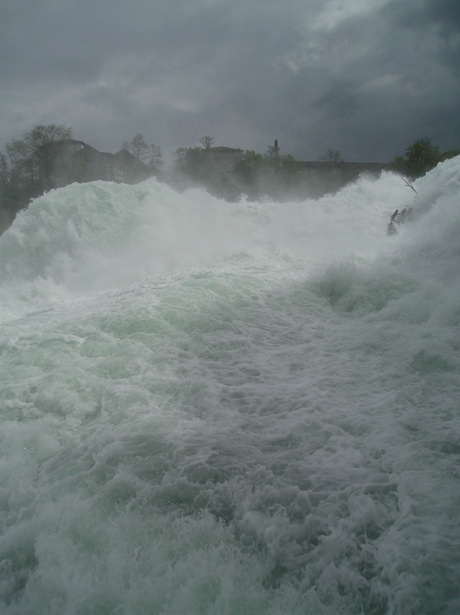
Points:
(430, 20)
(444, 12)
(363, 76)
(380, 80)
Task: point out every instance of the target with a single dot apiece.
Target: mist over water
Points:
(220, 408)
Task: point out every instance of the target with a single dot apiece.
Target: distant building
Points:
(225, 157)
(76, 161)
(61, 171)
(131, 169)
(88, 164)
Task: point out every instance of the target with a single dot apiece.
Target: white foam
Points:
(231, 408)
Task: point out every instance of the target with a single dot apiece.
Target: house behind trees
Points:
(225, 157)
(76, 161)
(35, 168)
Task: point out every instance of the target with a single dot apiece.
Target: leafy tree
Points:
(249, 167)
(275, 176)
(31, 158)
(290, 165)
(196, 164)
(419, 158)
(6, 209)
(191, 164)
(450, 153)
(26, 166)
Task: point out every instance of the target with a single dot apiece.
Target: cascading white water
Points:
(231, 408)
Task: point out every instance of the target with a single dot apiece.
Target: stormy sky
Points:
(367, 77)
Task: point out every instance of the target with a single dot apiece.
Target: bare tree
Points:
(333, 155)
(274, 153)
(409, 184)
(207, 142)
(137, 147)
(180, 155)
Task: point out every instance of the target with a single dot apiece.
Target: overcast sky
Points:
(367, 77)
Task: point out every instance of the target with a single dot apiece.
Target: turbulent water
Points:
(215, 408)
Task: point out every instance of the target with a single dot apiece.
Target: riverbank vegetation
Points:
(28, 168)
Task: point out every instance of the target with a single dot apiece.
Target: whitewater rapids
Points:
(231, 408)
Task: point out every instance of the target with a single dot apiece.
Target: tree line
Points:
(280, 176)
(420, 157)
(26, 169)
(253, 174)
(26, 165)
(150, 155)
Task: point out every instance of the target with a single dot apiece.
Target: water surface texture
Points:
(219, 408)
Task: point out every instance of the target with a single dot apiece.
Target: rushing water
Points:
(231, 408)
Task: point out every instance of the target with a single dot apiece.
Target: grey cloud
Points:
(308, 73)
